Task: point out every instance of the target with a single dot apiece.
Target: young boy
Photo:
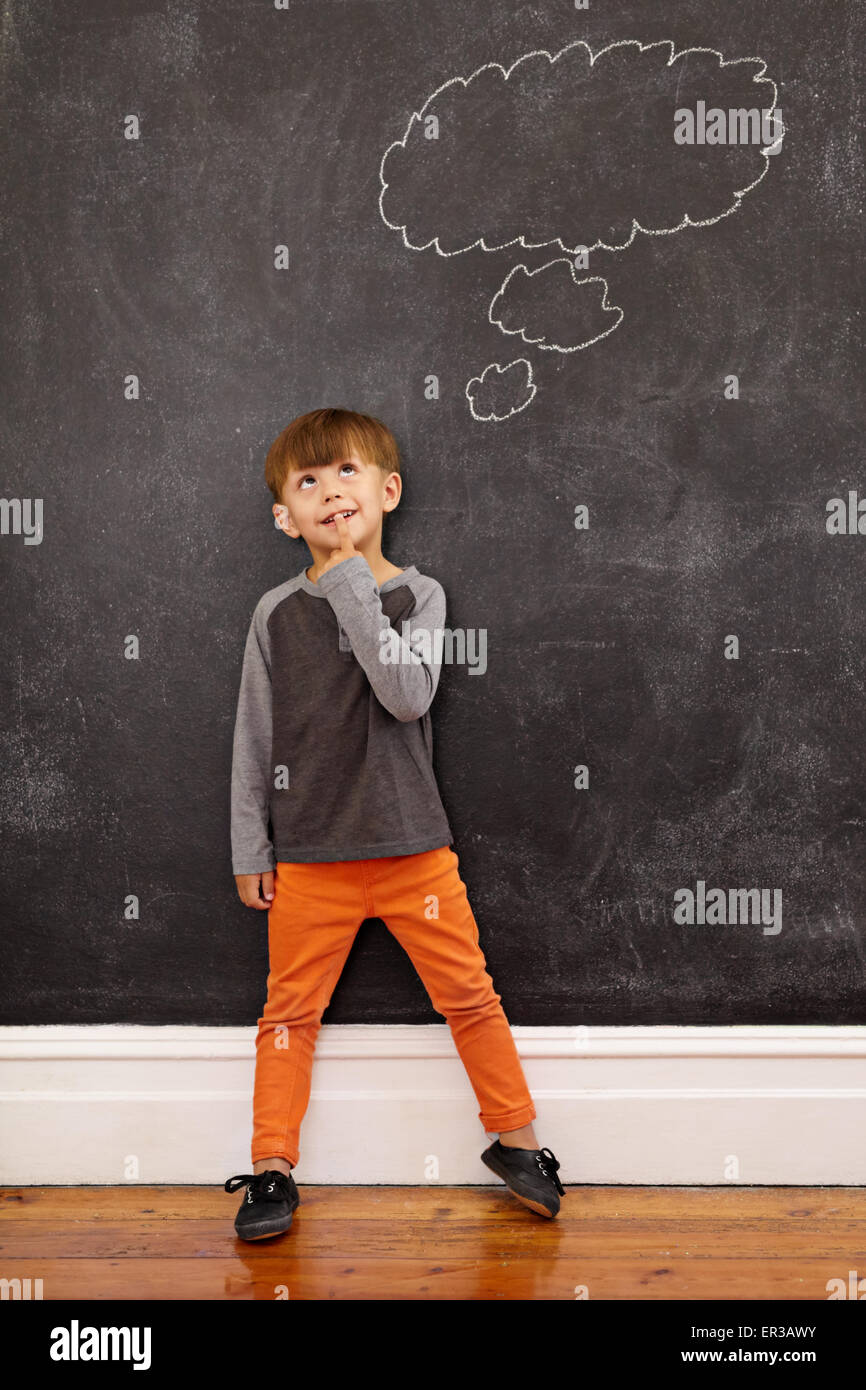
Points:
(335, 811)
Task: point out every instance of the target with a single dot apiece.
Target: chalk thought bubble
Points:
(580, 151)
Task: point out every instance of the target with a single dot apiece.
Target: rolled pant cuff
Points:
(508, 1119)
(275, 1149)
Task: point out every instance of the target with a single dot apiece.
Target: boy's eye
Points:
(308, 477)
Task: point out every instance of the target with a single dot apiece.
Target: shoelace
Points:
(546, 1156)
(265, 1186)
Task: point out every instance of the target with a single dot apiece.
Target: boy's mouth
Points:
(349, 511)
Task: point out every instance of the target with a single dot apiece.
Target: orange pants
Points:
(312, 922)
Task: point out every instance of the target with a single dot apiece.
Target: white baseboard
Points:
(119, 1104)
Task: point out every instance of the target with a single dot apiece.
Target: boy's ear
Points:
(283, 521)
(392, 492)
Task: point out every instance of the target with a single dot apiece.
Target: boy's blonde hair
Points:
(321, 436)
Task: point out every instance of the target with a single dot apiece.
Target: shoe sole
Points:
(263, 1235)
(527, 1201)
(262, 1231)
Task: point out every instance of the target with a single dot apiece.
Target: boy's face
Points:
(347, 484)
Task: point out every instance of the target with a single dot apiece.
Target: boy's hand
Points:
(345, 550)
(248, 888)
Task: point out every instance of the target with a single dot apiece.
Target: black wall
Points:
(154, 256)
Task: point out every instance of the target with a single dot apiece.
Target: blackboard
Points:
(149, 250)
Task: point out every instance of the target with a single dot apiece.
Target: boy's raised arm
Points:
(405, 687)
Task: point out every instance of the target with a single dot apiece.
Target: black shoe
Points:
(531, 1174)
(268, 1204)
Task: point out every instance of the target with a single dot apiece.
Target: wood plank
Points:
(549, 1277)
(519, 1238)
(405, 1203)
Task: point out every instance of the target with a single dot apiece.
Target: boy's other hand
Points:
(248, 888)
(346, 548)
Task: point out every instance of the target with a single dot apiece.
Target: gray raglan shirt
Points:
(332, 754)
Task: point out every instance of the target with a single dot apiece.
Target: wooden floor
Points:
(468, 1243)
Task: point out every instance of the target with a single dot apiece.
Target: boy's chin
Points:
(331, 543)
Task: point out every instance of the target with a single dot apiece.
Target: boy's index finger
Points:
(343, 531)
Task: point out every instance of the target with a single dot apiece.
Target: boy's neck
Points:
(382, 568)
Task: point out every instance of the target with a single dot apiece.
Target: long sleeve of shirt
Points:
(252, 851)
(406, 683)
